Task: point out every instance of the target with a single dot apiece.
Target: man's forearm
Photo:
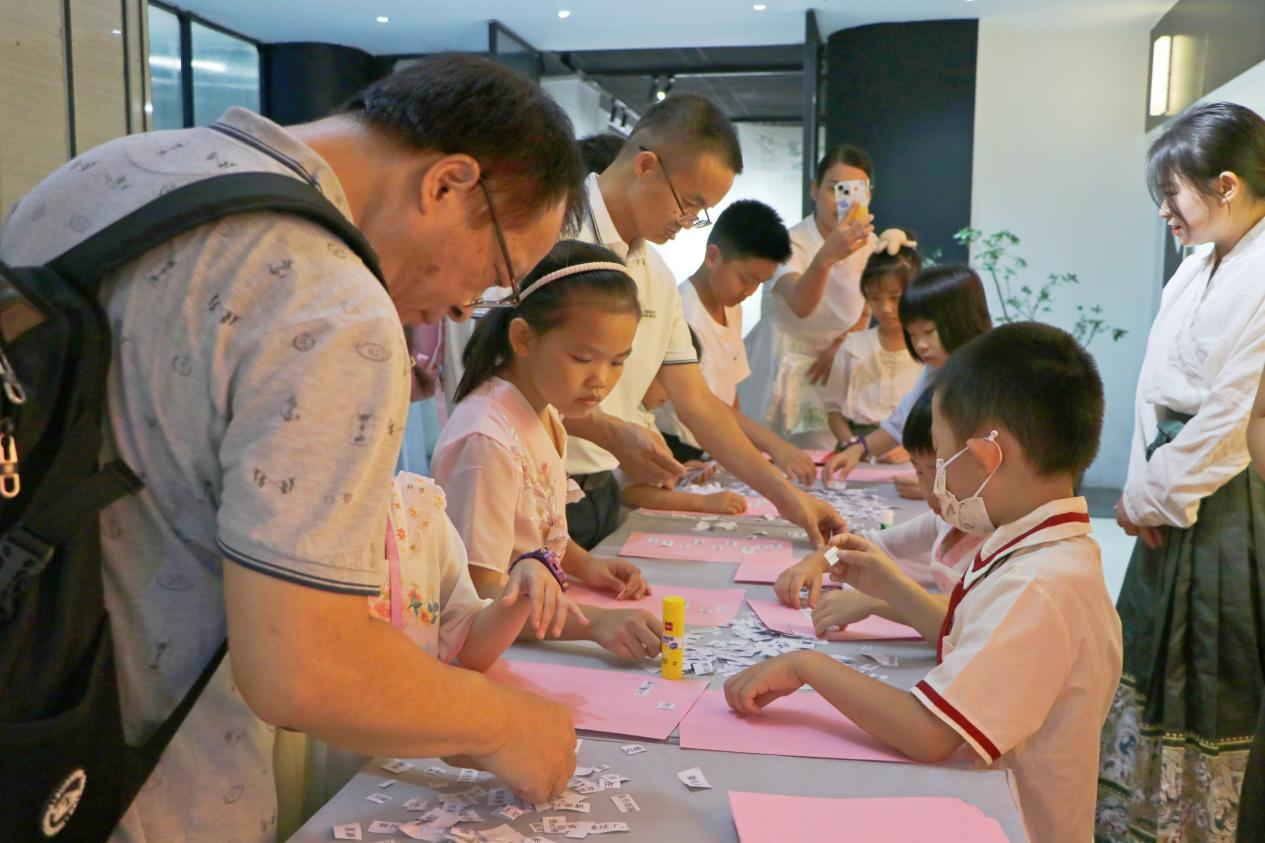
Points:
(349, 679)
(597, 427)
(760, 436)
(717, 431)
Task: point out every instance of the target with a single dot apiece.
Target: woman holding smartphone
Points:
(813, 301)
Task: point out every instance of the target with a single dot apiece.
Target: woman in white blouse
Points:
(1193, 603)
(812, 302)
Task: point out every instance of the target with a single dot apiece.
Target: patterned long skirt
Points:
(1176, 742)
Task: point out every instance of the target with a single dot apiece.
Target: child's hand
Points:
(907, 487)
(617, 575)
(751, 690)
(840, 608)
(805, 572)
(862, 565)
(532, 580)
(840, 464)
(697, 471)
(630, 633)
(725, 503)
(896, 455)
(795, 464)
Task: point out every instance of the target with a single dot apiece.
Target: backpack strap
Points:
(27, 547)
(200, 203)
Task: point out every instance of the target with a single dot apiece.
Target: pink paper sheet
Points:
(790, 621)
(767, 570)
(694, 547)
(606, 700)
(879, 472)
(755, 507)
(703, 606)
(769, 818)
(802, 724)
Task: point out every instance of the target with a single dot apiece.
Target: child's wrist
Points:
(806, 664)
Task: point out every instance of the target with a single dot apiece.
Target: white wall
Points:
(580, 100)
(1060, 161)
(771, 173)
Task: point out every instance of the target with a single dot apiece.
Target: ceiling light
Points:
(564, 14)
(759, 7)
(116, 32)
(383, 19)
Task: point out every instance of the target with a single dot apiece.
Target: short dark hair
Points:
(455, 103)
(1205, 142)
(916, 435)
(750, 229)
(1037, 382)
(689, 122)
(600, 151)
(844, 153)
(900, 266)
(489, 348)
(951, 296)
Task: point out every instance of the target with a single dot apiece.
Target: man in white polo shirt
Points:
(680, 160)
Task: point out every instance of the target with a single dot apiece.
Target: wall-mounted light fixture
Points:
(1161, 72)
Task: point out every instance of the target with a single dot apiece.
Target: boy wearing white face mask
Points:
(1028, 653)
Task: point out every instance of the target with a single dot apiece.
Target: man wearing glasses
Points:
(680, 160)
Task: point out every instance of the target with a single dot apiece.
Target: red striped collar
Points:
(1057, 520)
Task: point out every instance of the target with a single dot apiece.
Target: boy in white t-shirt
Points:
(1028, 653)
(744, 248)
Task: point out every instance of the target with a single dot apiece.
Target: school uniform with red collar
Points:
(1028, 661)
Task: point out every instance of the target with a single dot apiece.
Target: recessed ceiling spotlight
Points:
(759, 7)
(383, 19)
(564, 14)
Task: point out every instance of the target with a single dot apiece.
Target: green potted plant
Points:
(1025, 302)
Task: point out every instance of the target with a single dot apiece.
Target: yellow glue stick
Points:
(673, 637)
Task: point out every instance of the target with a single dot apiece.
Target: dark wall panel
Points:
(906, 93)
(306, 81)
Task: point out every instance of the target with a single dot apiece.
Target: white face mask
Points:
(969, 515)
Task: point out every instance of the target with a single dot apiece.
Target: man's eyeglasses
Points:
(512, 299)
(687, 219)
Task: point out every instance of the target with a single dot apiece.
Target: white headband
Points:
(573, 270)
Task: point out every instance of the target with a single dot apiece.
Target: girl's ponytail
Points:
(488, 350)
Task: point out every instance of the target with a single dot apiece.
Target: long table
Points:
(670, 812)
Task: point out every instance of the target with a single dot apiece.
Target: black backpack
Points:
(66, 771)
